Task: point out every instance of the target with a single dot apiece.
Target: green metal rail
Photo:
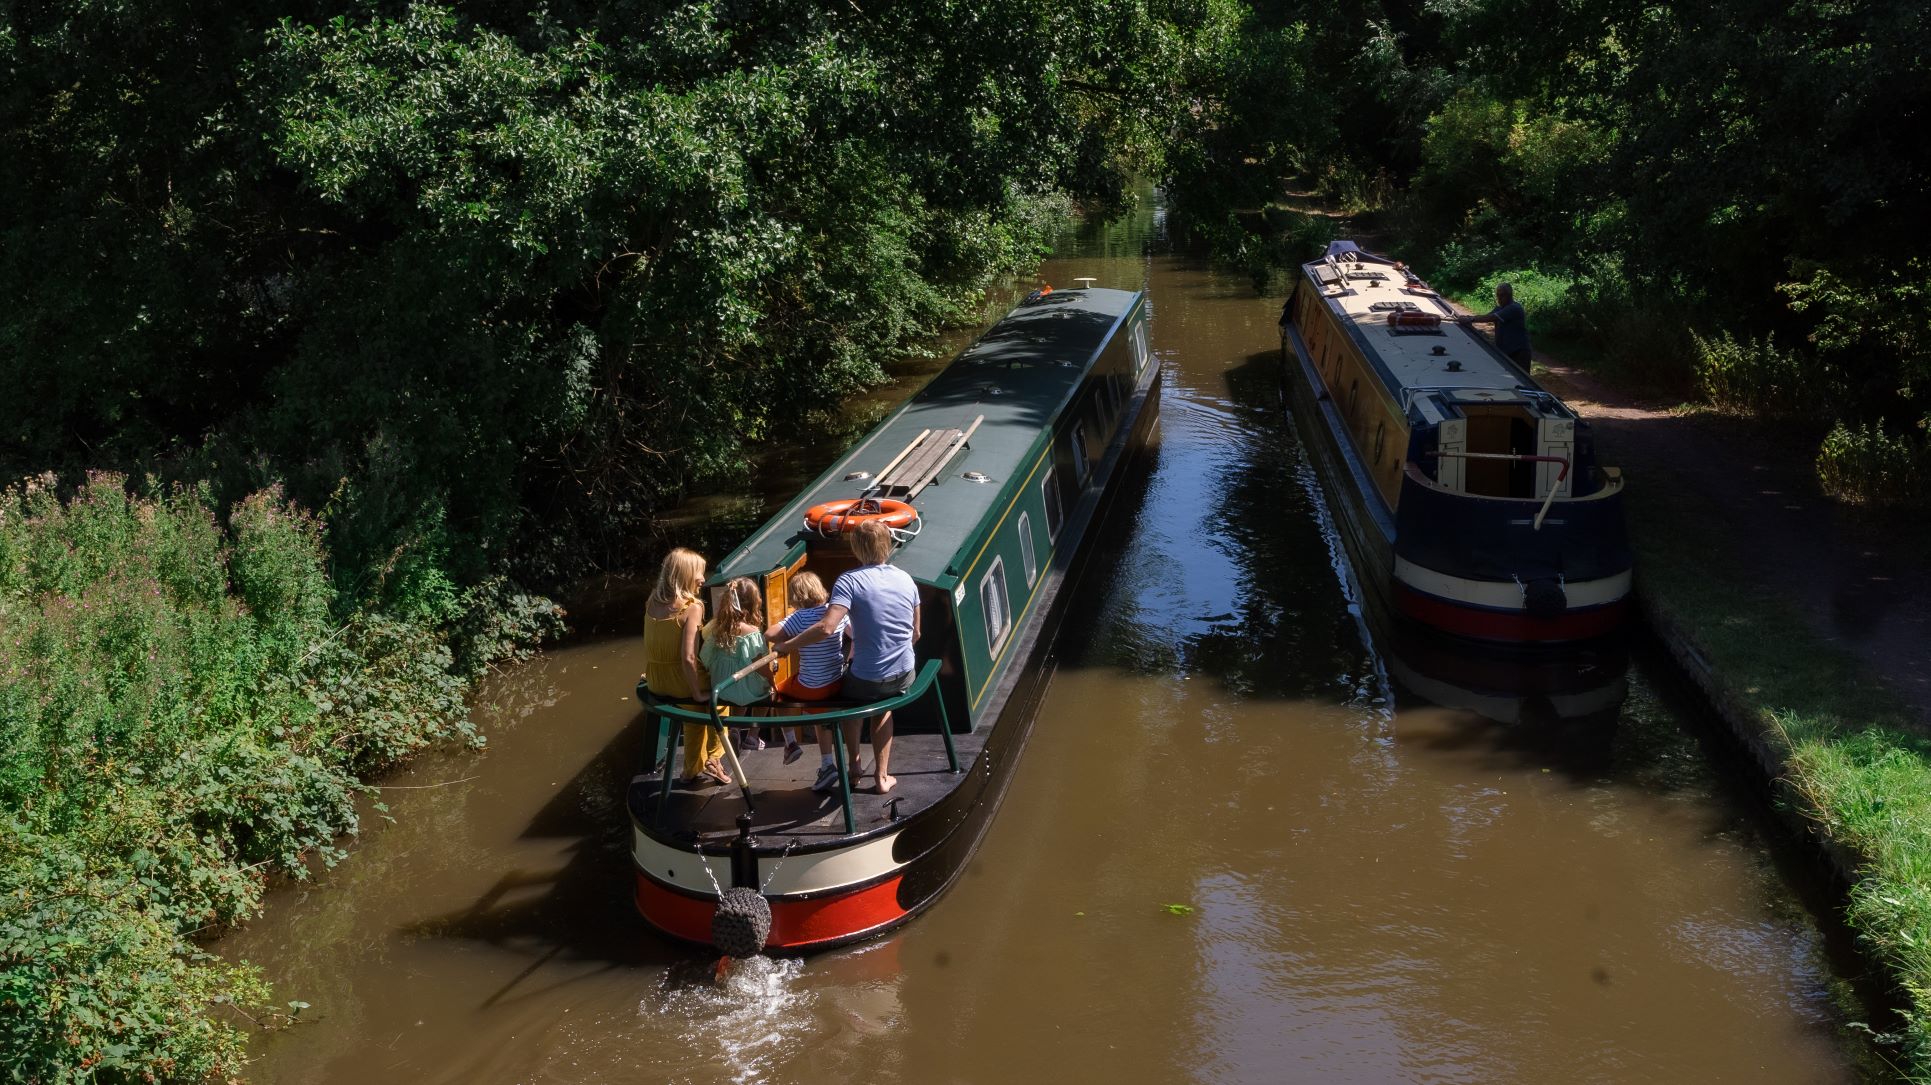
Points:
(670, 737)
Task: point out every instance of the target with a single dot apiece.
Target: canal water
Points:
(1241, 846)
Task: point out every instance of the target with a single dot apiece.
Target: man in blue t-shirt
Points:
(1511, 325)
(883, 604)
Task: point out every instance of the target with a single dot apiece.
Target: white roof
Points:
(1354, 287)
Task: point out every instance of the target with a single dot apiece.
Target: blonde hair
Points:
(805, 590)
(741, 604)
(872, 542)
(678, 578)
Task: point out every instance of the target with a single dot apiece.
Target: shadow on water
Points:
(580, 911)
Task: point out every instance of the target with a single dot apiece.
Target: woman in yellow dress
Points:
(672, 618)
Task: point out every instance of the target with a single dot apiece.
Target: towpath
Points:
(1863, 583)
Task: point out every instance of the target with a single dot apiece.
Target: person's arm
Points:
(916, 609)
(827, 625)
(693, 622)
(1472, 318)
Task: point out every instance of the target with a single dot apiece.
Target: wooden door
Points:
(777, 604)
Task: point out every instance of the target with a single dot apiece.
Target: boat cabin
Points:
(1412, 385)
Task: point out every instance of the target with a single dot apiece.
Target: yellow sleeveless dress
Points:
(664, 674)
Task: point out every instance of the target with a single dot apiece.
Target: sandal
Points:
(714, 772)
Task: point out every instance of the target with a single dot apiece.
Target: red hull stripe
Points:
(795, 924)
(1484, 624)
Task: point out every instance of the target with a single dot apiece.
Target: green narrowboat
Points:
(1004, 463)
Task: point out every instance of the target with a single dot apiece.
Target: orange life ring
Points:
(837, 517)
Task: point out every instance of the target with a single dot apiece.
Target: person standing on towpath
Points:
(883, 601)
(1511, 325)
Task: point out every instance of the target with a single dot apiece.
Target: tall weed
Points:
(1756, 376)
(1867, 465)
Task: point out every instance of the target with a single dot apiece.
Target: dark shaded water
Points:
(1234, 851)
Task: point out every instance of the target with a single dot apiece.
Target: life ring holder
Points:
(834, 518)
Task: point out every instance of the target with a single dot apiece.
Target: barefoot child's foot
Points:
(885, 784)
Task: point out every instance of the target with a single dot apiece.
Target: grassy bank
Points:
(1849, 759)
(184, 716)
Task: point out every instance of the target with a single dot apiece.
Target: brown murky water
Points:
(1235, 850)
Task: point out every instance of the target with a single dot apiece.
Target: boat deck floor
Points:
(785, 804)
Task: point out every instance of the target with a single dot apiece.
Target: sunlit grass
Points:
(1855, 764)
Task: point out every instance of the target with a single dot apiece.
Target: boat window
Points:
(992, 599)
(1026, 548)
(1140, 352)
(1354, 390)
(1380, 441)
(1082, 462)
(1049, 496)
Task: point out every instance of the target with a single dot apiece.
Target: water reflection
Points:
(1576, 689)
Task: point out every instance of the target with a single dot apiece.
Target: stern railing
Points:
(1554, 487)
(817, 714)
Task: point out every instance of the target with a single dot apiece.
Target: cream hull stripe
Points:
(793, 874)
(1506, 594)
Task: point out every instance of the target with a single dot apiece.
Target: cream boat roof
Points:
(1353, 281)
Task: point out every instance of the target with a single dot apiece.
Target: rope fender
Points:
(741, 923)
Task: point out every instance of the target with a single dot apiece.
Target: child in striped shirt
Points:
(821, 667)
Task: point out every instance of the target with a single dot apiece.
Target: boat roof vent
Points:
(1085, 281)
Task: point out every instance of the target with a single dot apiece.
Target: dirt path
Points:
(1863, 584)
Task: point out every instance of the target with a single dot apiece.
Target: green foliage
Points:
(166, 745)
(1867, 465)
(490, 287)
(1755, 376)
(1863, 314)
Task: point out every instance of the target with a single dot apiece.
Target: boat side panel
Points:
(1374, 421)
(1100, 413)
(1364, 524)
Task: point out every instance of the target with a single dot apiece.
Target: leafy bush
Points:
(167, 743)
(1755, 376)
(1867, 465)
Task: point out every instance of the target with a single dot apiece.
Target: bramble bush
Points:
(182, 717)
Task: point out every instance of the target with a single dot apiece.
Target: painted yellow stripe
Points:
(1013, 504)
(965, 578)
